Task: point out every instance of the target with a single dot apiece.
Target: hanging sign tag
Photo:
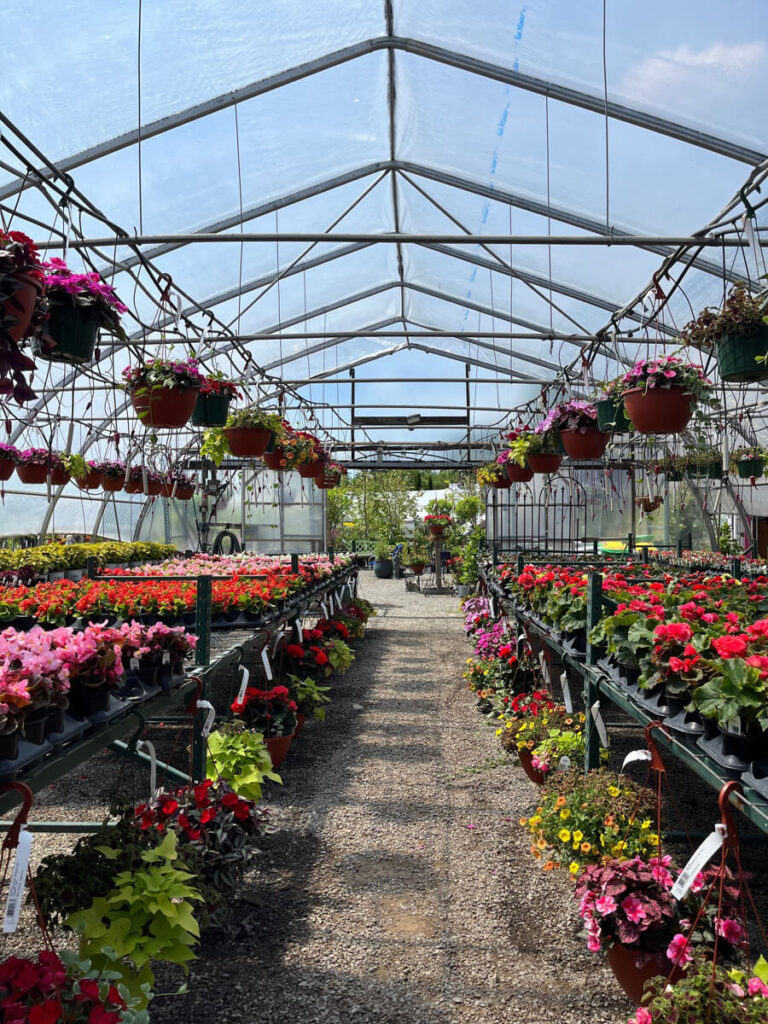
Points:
(339, 595)
(243, 685)
(704, 853)
(149, 746)
(635, 755)
(18, 878)
(564, 763)
(208, 724)
(544, 669)
(565, 686)
(266, 664)
(299, 627)
(492, 604)
(602, 732)
(134, 664)
(324, 606)
(166, 657)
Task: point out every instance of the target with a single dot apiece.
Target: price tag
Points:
(566, 688)
(299, 628)
(166, 657)
(602, 732)
(150, 749)
(266, 664)
(325, 609)
(564, 763)
(544, 665)
(18, 878)
(208, 724)
(338, 600)
(133, 664)
(705, 852)
(635, 755)
(492, 605)
(243, 685)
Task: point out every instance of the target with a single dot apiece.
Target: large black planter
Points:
(383, 569)
(211, 410)
(737, 354)
(75, 330)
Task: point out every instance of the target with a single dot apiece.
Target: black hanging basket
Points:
(737, 355)
(211, 410)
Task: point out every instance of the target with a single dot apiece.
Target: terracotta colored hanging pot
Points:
(248, 442)
(21, 305)
(632, 968)
(273, 459)
(59, 476)
(278, 747)
(154, 488)
(658, 410)
(30, 473)
(308, 469)
(526, 762)
(519, 474)
(113, 483)
(164, 407)
(502, 483)
(544, 463)
(590, 444)
(93, 478)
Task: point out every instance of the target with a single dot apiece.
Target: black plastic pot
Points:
(211, 411)
(611, 417)
(75, 330)
(748, 748)
(9, 745)
(88, 700)
(55, 720)
(34, 726)
(383, 569)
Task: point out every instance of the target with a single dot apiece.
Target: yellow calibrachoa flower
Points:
(564, 835)
(614, 790)
(565, 813)
(646, 824)
(573, 867)
(578, 835)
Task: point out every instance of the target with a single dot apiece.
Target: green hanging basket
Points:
(736, 355)
(211, 410)
(611, 418)
(747, 468)
(74, 331)
(715, 471)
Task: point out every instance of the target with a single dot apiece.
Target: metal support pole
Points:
(203, 620)
(680, 546)
(594, 547)
(630, 543)
(689, 538)
(520, 563)
(438, 541)
(294, 562)
(90, 568)
(736, 568)
(331, 555)
(591, 694)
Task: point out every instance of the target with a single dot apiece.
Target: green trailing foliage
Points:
(309, 696)
(241, 757)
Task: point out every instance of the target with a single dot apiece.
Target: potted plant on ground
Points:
(240, 756)
(749, 462)
(611, 416)
(738, 333)
(163, 391)
(576, 422)
(382, 564)
(660, 394)
(21, 307)
(272, 713)
(543, 453)
(213, 401)
(79, 304)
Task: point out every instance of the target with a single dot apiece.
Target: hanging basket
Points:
(632, 968)
(7, 467)
(518, 474)
(248, 442)
(59, 476)
(29, 473)
(211, 410)
(436, 529)
(273, 459)
(74, 331)
(113, 483)
(715, 471)
(327, 483)
(21, 305)
(747, 468)
(134, 485)
(658, 410)
(736, 355)
(184, 492)
(611, 416)
(502, 483)
(278, 747)
(154, 488)
(589, 444)
(309, 469)
(164, 407)
(93, 478)
(544, 463)
(526, 762)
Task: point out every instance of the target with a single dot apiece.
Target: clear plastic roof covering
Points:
(427, 118)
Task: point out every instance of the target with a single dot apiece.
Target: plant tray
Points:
(655, 705)
(101, 719)
(73, 729)
(30, 756)
(733, 767)
(756, 778)
(684, 723)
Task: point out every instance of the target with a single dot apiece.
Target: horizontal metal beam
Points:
(397, 238)
(420, 48)
(367, 332)
(416, 421)
(516, 376)
(563, 215)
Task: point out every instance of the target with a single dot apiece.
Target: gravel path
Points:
(398, 887)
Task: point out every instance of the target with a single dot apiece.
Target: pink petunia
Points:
(679, 951)
(634, 908)
(730, 930)
(605, 905)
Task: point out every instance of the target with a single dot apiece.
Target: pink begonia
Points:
(756, 987)
(642, 1016)
(605, 905)
(730, 930)
(634, 908)
(679, 951)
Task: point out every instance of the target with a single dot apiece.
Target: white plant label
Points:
(166, 657)
(492, 606)
(299, 627)
(208, 724)
(565, 686)
(602, 732)
(704, 853)
(266, 664)
(149, 746)
(338, 600)
(635, 755)
(564, 763)
(134, 664)
(243, 685)
(545, 669)
(18, 879)
(325, 609)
